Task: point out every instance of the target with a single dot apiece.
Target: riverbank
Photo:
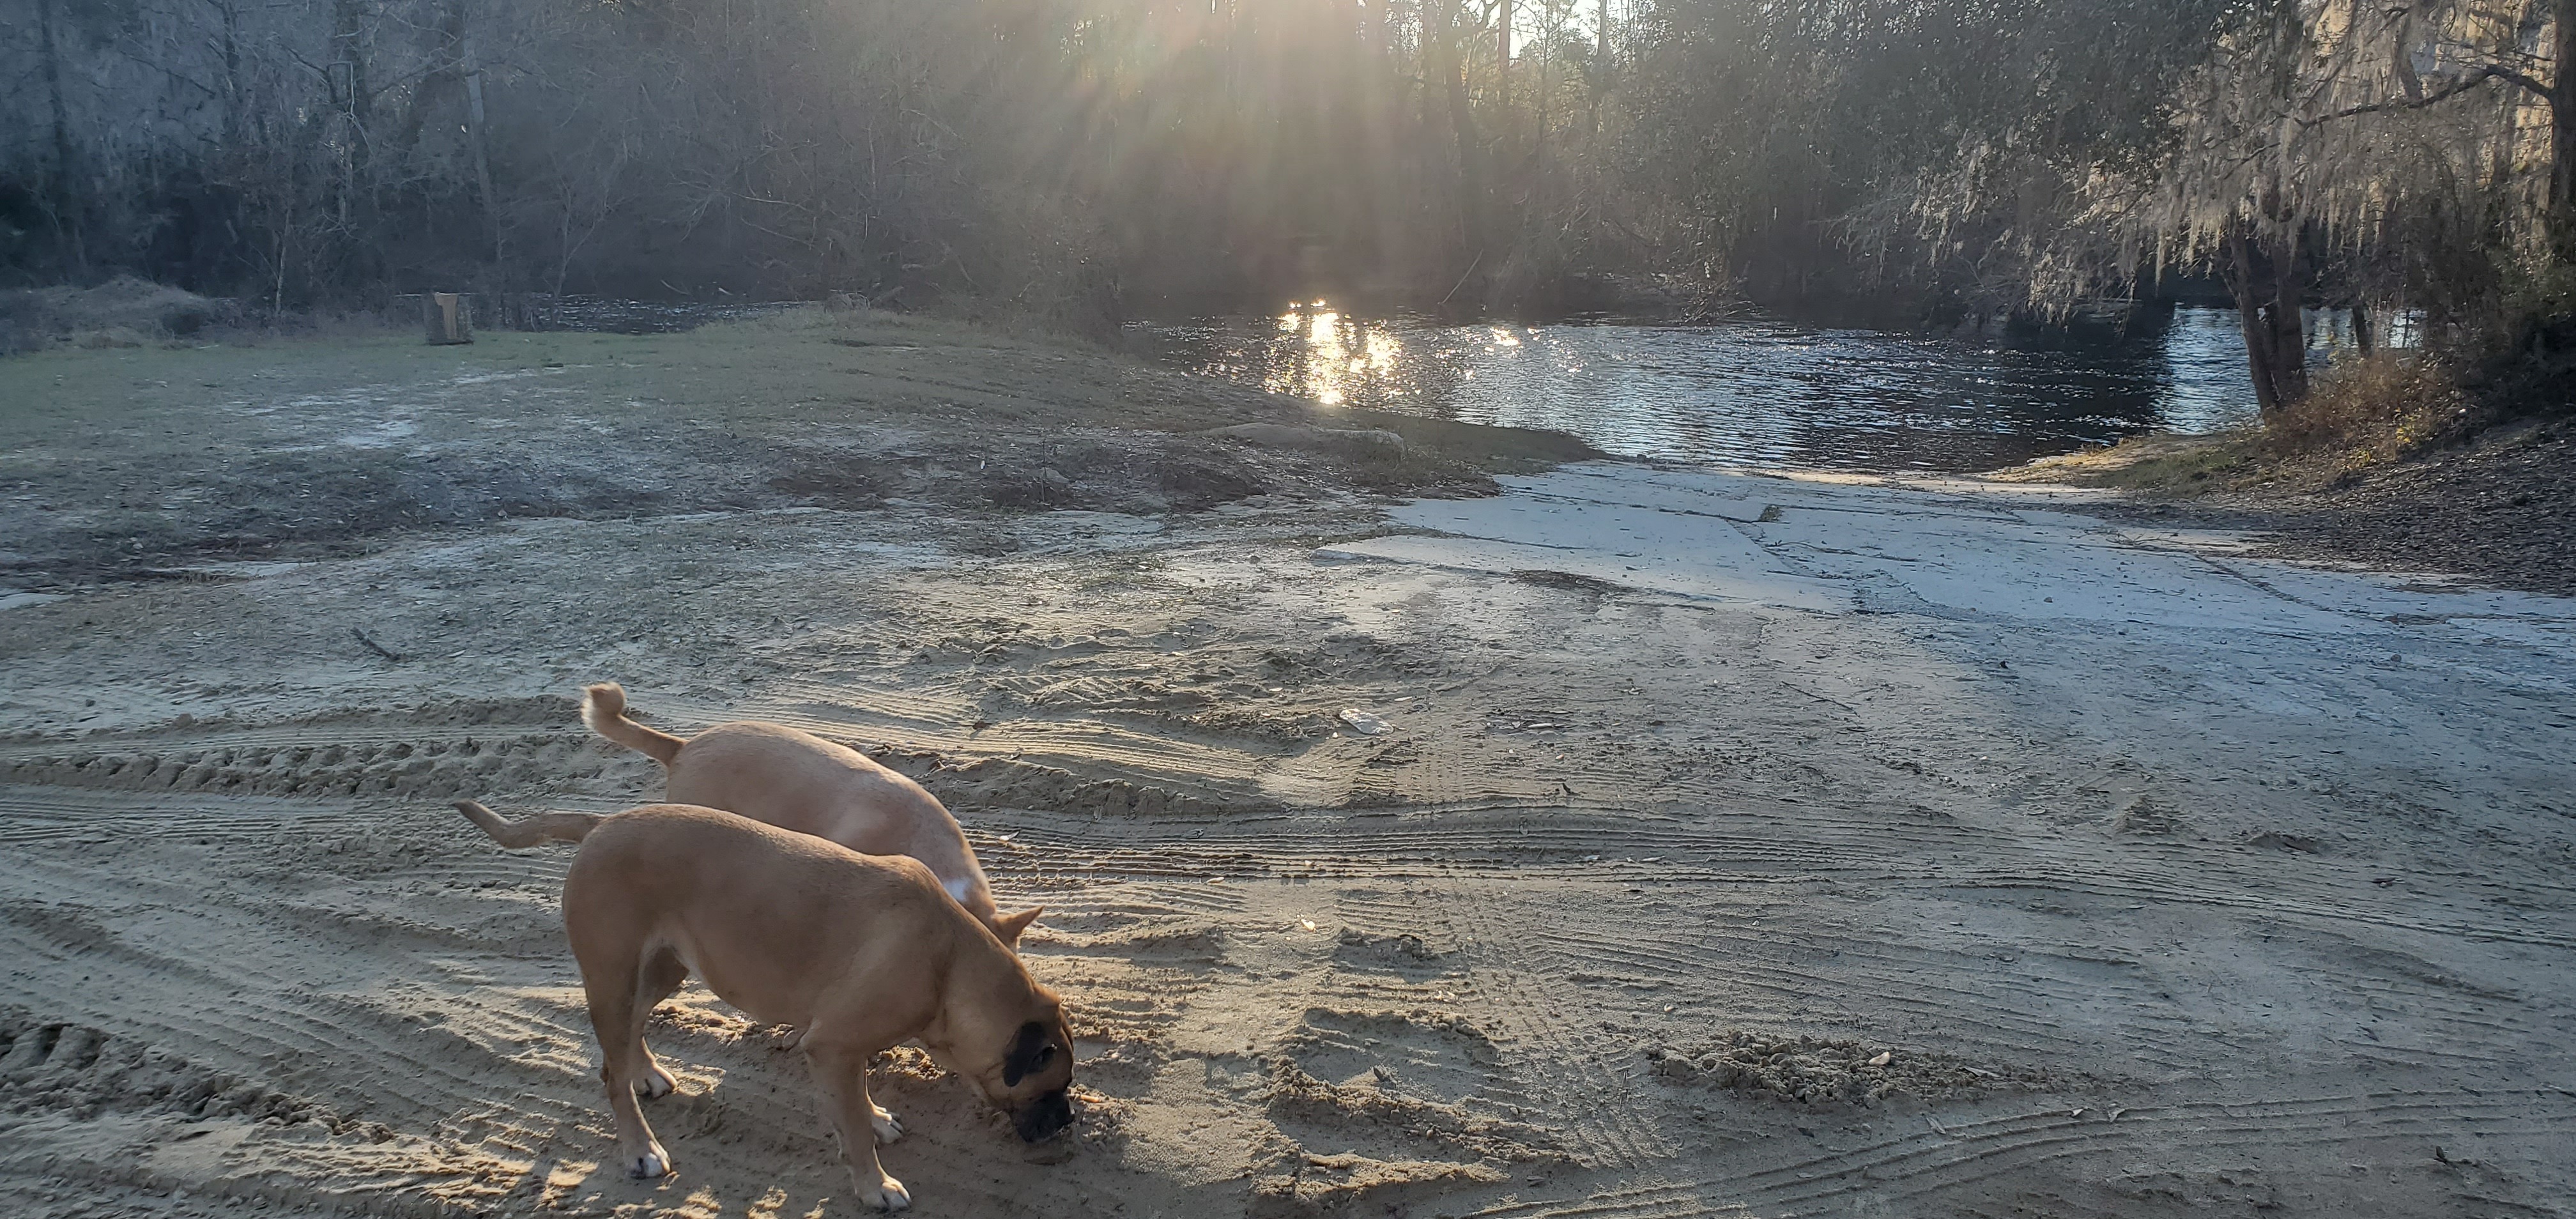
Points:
(1706, 840)
(138, 462)
(2499, 509)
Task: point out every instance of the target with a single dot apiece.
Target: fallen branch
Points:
(375, 647)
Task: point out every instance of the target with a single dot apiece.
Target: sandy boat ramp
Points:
(1725, 843)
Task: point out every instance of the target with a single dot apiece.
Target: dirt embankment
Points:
(123, 312)
(2500, 509)
(140, 462)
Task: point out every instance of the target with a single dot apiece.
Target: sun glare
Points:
(1335, 358)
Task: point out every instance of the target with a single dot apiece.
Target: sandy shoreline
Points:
(2170, 880)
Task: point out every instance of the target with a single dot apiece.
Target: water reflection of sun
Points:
(1337, 359)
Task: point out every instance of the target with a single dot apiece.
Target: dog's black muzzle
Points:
(1044, 1116)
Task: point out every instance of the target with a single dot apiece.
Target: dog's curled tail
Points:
(534, 831)
(603, 707)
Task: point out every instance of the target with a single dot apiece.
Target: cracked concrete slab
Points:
(1682, 553)
(1952, 549)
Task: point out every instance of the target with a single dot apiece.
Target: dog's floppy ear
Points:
(1030, 1054)
(1009, 926)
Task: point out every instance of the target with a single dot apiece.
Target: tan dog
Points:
(798, 781)
(860, 951)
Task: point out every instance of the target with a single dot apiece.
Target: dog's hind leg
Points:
(843, 1074)
(659, 979)
(613, 987)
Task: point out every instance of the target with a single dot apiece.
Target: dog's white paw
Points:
(654, 1083)
(651, 1164)
(889, 1195)
(888, 1126)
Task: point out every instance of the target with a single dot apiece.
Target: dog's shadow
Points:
(753, 1141)
(748, 1135)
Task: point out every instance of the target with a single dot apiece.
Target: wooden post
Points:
(448, 318)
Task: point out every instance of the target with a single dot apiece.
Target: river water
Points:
(1745, 392)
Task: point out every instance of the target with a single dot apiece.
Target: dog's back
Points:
(798, 781)
(735, 898)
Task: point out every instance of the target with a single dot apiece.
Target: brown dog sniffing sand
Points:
(798, 781)
(861, 952)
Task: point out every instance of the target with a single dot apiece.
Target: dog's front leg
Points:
(843, 1074)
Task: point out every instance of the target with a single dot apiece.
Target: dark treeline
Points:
(1070, 158)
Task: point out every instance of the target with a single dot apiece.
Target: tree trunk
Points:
(355, 191)
(441, 84)
(2361, 336)
(2267, 284)
(231, 44)
(472, 71)
(2562, 134)
(1442, 50)
(1438, 168)
(1601, 68)
(1472, 180)
(67, 226)
(349, 46)
(2258, 356)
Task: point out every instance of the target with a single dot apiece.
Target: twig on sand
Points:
(375, 647)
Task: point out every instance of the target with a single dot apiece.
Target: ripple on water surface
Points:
(1755, 392)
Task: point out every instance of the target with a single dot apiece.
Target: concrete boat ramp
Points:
(1951, 549)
